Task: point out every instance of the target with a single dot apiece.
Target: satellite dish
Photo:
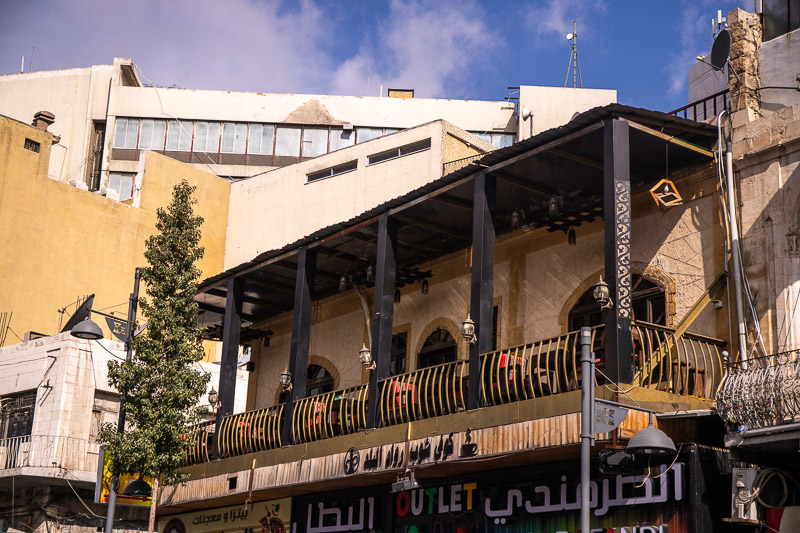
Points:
(720, 50)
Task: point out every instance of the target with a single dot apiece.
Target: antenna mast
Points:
(574, 64)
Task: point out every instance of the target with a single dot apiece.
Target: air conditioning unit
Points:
(742, 508)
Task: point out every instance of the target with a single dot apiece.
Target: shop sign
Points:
(613, 501)
(358, 515)
(272, 516)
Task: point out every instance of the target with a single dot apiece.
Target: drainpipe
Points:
(736, 256)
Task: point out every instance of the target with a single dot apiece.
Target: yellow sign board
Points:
(134, 489)
(272, 516)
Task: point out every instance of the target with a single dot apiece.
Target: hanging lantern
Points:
(571, 237)
(425, 286)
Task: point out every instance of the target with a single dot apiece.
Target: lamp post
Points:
(650, 441)
(91, 331)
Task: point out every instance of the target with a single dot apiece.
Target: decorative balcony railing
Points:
(200, 441)
(686, 364)
(330, 414)
(45, 451)
(764, 392)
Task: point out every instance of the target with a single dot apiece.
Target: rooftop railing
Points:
(705, 108)
(687, 364)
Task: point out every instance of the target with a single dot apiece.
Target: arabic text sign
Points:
(272, 515)
(608, 417)
(357, 516)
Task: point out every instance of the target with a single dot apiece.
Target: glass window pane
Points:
(254, 143)
(287, 142)
(315, 142)
(185, 139)
(130, 136)
(390, 130)
(483, 136)
(125, 187)
(501, 140)
(212, 143)
(267, 138)
(146, 136)
(240, 139)
(227, 136)
(342, 139)
(366, 134)
(159, 131)
(113, 181)
(200, 136)
(172, 135)
(119, 133)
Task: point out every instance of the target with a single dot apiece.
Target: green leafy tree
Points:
(160, 384)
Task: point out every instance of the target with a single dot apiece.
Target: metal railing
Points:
(251, 431)
(330, 414)
(764, 393)
(687, 364)
(699, 110)
(200, 438)
(46, 451)
(541, 368)
(425, 393)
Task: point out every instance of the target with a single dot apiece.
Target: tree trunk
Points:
(151, 527)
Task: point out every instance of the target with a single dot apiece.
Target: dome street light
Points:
(88, 330)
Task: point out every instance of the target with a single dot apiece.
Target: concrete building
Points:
(106, 116)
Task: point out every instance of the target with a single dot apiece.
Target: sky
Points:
(464, 49)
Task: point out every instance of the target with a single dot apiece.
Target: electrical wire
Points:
(109, 351)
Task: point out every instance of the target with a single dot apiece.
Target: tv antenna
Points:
(574, 65)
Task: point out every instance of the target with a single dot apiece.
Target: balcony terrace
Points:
(492, 406)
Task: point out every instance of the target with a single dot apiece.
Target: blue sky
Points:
(446, 48)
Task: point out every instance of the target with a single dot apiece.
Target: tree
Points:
(160, 385)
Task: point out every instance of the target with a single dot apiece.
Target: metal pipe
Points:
(736, 256)
(587, 414)
(132, 306)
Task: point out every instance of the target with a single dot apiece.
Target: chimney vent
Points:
(43, 119)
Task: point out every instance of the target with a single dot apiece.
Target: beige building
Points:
(106, 117)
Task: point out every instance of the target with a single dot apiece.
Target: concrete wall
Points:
(538, 278)
(554, 106)
(767, 167)
(59, 242)
(269, 211)
(75, 96)
(779, 66)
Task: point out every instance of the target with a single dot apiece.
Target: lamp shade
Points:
(87, 330)
(651, 441)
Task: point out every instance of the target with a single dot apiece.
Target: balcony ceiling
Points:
(436, 219)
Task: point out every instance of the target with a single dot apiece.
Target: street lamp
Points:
(366, 358)
(650, 441)
(286, 380)
(468, 331)
(89, 330)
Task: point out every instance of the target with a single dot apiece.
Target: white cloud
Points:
(552, 20)
(431, 47)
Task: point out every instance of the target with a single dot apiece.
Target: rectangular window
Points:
(234, 138)
(125, 133)
(179, 136)
(16, 417)
(212, 139)
(261, 139)
(342, 139)
(399, 152)
(287, 141)
(367, 134)
(122, 183)
(32, 145)
(502, 140)
(333, 171)
(151, 136)
(315, 142)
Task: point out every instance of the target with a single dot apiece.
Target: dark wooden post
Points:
(231, 330)
(617, 223)
(482, 285)
(301, 335)
(383, 307)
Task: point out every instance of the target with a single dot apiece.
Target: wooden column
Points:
(617, 222)
(301, 335)
(383, 307)
(482, 285)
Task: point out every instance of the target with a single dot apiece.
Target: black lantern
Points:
(286, 380)
(602, 295)
(468, 331)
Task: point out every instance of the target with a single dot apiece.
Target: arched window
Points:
(440, 347)
(318, 380)
(649, 305)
